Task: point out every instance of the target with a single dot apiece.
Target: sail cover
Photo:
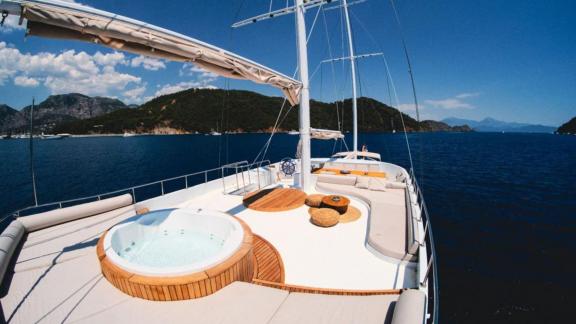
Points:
(65, 20)
(325, 134)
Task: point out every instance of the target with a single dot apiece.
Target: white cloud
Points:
(24, 81)
(409, 107)
(148, 63)
(467, 95)
(69, 71)
(456, 102)
(181, 86)
(196, 71)
(110, 59)
(135, 95)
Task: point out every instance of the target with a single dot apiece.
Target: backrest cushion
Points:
(336, 179)
(9, 240)
(362, 182)
(410, 308)
(377, 185)
(58, 216)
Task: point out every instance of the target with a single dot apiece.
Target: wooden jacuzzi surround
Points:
(238, 267)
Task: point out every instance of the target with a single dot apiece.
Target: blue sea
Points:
(503, 206)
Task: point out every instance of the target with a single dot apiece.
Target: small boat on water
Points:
(293, 132)
(215, 133)
(51, 137)
(127, 134)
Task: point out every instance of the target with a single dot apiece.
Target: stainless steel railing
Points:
(133, 190)
(244, 168)
(431, 274)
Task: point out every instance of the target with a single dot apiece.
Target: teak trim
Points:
(238, 267)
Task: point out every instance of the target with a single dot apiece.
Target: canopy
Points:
(65, 20)
(325, 134)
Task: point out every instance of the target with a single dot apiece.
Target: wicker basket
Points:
(325, 217)
(314, 200)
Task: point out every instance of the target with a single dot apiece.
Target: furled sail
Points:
(65, 20)
(325, 134)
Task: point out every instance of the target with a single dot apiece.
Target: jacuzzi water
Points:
(173, 249)
(173, 242)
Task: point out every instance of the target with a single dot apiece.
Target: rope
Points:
(264, 149)
(407, 60)
(340, 126)
(393, 87)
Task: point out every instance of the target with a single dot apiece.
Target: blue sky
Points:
(512, 60)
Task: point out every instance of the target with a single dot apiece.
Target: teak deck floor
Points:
(268, 264)
(274, 200)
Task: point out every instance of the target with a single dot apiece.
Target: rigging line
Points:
(408, 61)
(282, 121)
(380, 48)
(413, 83)
(393, 87)
(267, 144)
(238, 11)
(333, 70)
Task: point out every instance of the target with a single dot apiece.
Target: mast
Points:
(31, 147)
(304, 111)
(353, 68)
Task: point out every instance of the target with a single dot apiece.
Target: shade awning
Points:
(64, 20)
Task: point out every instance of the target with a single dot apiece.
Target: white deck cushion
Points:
(388, 231)
(377, 185)
(410, 308)
(395, 185)
(317, 309)
(9, 240)
(67, 241)
(43, 220)
(362, 182)
(337, 179)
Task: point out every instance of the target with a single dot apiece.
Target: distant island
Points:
(204, 111)
(569, 128)
(493, 125)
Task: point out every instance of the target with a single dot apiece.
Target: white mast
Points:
(304, 95)
(353, 67)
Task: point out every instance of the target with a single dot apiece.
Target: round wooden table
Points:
(336, 202)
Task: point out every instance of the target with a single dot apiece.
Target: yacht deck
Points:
(334, 257)
(56, 274)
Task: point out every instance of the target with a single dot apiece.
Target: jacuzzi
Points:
(173, 242)
(176, 254)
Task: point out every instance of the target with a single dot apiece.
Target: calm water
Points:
(503, 205)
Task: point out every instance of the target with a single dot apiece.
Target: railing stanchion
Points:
(425, 280)
(205, 176)
(425, 233)
(223, 181)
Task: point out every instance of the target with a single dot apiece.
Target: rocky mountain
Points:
(443, 127)
(61, 108)
(568, 128)
(205, 110)
(9, 116)
(493, 125)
